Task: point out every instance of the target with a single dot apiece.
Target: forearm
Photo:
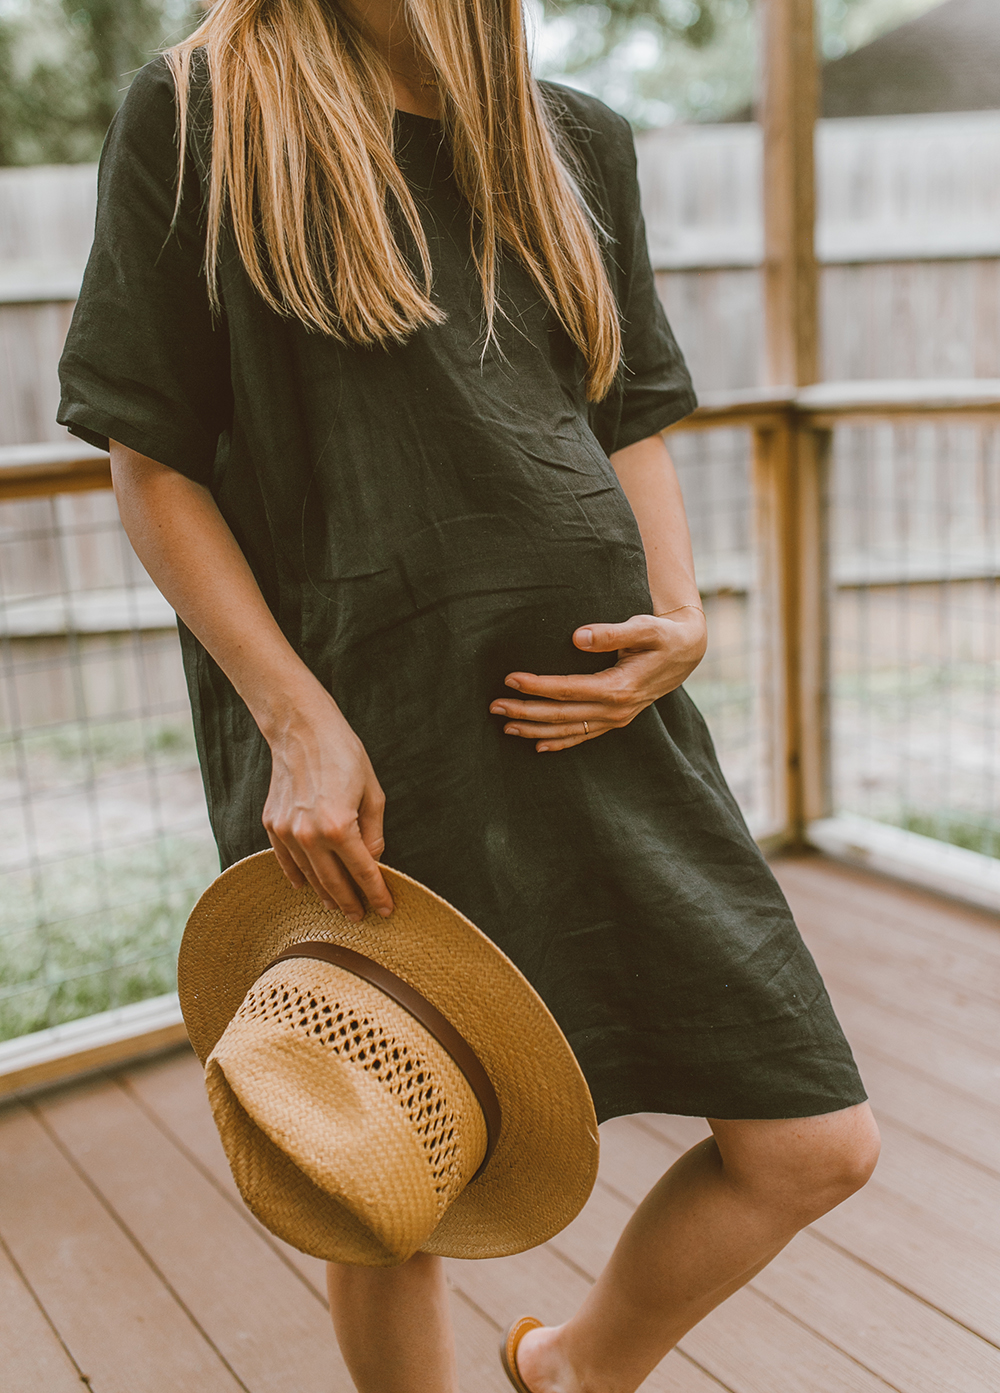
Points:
(188, 550)
(649, 481)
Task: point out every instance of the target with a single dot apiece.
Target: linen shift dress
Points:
(424, 519)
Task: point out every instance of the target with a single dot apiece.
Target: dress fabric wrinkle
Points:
(423, 519)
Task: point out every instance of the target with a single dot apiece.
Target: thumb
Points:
(606, 638)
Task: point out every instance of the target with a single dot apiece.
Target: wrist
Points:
(680, 611)
(293, 707)
(690, 631)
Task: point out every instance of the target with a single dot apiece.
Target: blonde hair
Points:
(302, 164)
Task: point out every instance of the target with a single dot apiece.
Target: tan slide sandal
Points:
(508, 1349)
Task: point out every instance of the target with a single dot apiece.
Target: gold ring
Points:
(586, 728)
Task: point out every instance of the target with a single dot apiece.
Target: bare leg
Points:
(719, 1215)
(393, 1326)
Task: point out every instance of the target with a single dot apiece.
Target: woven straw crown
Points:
(352, 1132)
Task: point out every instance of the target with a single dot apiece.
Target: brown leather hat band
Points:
(421, 1010)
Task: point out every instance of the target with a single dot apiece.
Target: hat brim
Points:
(545, 1162)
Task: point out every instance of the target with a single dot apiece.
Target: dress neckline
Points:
(414, 116)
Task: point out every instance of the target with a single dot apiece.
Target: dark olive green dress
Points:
(424, 519)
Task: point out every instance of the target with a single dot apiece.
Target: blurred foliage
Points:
(659, 61)
(64, 68)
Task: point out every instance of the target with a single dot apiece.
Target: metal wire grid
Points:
(105, 842)
(915, 559)
(732, 684)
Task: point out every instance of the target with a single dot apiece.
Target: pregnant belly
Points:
(483, 575)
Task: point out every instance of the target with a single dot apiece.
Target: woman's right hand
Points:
(324, 810)
(323, 813)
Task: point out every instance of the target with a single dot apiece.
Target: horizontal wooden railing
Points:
(61, 466)
(69, 465)
(791, 433)
(828, 404)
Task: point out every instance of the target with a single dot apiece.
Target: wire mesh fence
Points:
(915, 659)
(105, 842)
(733, 685)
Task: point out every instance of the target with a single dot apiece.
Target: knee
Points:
(834, 1162)
(814, 1164)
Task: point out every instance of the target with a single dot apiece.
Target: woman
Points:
(383, 373)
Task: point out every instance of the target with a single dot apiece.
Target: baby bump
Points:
(428, 637)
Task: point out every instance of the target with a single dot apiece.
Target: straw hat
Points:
(384, 1087)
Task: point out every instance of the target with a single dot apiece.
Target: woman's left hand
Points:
(655, 655)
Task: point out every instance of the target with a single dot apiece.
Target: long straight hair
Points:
(303, 169)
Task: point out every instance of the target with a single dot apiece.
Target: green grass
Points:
(77, 750)
(84, 933)
(955, 829)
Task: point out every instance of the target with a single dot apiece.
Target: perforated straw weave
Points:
(357, 1081)
(350, 1131)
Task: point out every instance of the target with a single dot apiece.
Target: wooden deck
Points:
(128, 1263)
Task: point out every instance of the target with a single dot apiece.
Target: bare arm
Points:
(324, 809)
(649, 481)
(657, 652)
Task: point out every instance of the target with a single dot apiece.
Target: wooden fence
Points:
(898, 311)
(908, 240)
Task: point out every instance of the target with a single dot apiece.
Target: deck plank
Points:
(914, 1348)
(895, 1290)
(917, 1169)
(173, 1091)
(872, 901)
(273, 1333)
(32, 1357)
(961, 1013)
(123, 1327)
(629, 1170)
(551, 1290)
(912, 1238)
(953, 985)
(940, 1262)
(729, 1344)
(893, 1240)
(940, 1183)
(909, 1041)
(938, 959)
(950, 1119)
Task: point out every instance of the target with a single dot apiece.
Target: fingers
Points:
(551, 712)
(370, 818)
(288, 863)
(535, 730)
(641, 631)
(364, 870)
(318, 865)
(338, 862)
(590, 688)
(566, 742)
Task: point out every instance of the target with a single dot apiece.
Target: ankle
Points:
(542, 1363)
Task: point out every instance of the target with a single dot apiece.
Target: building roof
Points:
(946, 60)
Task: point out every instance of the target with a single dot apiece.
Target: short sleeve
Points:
(146, 363)
(654, 386)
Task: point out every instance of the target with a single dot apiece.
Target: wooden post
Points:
(789, 104)
(790, 461)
